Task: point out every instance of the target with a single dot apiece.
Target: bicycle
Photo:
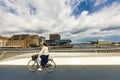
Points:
(33, 64)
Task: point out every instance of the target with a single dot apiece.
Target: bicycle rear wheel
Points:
(32, 65)
(50, 66)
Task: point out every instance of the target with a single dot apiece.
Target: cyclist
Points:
(44, 55)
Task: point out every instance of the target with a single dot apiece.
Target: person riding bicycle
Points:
(44, 54)
(42, 61)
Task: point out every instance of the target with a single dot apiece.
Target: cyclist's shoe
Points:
(40, 69)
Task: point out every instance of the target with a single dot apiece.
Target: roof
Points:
(34, 36)
(63, 40)
(17, 37)
(4, 38)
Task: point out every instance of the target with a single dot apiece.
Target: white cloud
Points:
(98, 2)
(108, 16)
(53, 16)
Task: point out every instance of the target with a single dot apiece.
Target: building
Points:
(34, 40)
(62, 43)
(116, 44)
(42, 40)
(55, 40)
(55, 37)
(4, 41)
(20, 41)
(101, 42)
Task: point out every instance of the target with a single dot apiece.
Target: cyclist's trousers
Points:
(44, 60)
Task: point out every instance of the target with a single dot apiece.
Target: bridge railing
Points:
(66, 53)
(112, 50)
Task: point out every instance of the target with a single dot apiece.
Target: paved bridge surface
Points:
(70, 66)
(64, 72)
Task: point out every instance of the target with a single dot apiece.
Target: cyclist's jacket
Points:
(44, 50)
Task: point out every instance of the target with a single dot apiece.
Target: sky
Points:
(78, 20)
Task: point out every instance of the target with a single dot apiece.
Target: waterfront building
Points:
(34, 40)
(42, 40)
(62, 42)
(55, 40)
(20, 41)
(3, 41)
(116, 44)
(55, 37)
(101, 43)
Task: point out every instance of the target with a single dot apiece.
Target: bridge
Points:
(65, 57)
(71, 64)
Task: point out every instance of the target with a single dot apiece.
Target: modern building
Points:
(55, 40)
(4, 41)
(60, 42)
(55, 37)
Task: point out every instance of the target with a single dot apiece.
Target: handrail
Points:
(66, 53)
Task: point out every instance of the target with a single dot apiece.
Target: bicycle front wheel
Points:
(50, 66)
(32, 65)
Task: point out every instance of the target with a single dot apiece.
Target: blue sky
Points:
(90, 5)
(78, 20)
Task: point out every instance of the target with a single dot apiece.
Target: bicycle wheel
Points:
(50, 66)
(32, 65)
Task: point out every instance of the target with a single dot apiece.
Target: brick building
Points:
(55, 37)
